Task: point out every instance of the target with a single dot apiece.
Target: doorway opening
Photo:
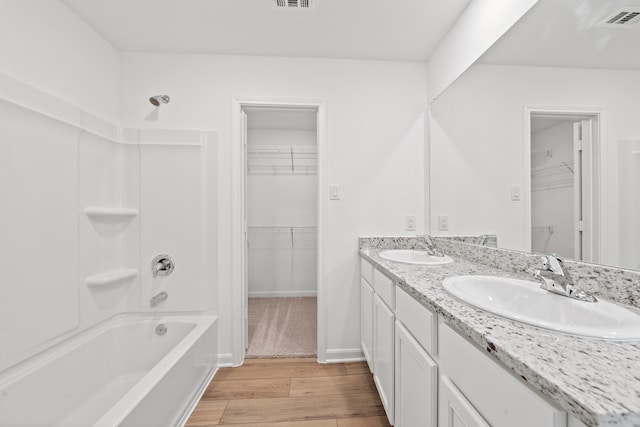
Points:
(239, 225)
(563, 161)
(282, 231)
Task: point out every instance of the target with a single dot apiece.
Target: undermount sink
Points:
(524, 301)
(414, 257)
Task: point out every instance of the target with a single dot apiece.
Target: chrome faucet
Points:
(430, 246)
(157, 299)
(556, 278)
(162, 265)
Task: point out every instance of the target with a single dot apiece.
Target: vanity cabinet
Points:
(383, 354)
(416, 382)
(455, 410)
(377, 324)
(430, 375)
(474, 389)
(366, 321)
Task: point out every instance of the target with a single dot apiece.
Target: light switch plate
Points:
(515, 193)
(334, 192)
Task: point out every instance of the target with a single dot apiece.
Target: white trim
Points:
(343, 355)
(598, 170)
(238, 250)
(282, 294)
(225, 360)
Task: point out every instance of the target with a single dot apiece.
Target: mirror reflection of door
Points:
(561, 191)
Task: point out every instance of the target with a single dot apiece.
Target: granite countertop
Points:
(597, 381)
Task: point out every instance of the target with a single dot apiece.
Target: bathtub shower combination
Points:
(131, 370)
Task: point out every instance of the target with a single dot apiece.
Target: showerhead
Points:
(159, 99)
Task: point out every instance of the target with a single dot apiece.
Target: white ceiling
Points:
(359, 29)
(563, 33)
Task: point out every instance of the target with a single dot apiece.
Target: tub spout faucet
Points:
(157, 299)
(556, 278)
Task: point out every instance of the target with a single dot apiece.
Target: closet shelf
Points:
(111, 278)
(282, 160)
(552, 176)
(112, 215)
(283, 229)
(283, 237)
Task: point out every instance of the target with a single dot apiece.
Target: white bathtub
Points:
(119, 373)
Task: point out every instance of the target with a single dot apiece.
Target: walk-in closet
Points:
(282, 232)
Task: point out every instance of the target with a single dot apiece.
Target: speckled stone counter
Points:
(597, 381)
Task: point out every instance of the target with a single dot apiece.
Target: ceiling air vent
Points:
(293, 4)
(624, 18)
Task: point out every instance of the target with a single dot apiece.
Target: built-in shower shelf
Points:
(111, 278)
(111, 215)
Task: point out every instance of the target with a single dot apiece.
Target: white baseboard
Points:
(342, 355)
(225, 360)
(282, 294)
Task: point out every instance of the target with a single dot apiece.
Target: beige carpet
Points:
(282, 327)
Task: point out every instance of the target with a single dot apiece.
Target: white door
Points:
(366, 321)
(383, 353)
(583, 145)
(416, 383)
(454, 409)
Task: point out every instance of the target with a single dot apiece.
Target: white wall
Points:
(552, 205)
(629, 196)
(47, 46)
(376, 122)
(477, 143)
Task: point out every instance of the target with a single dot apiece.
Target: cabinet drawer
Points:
(420, 321)
(366, 270)
(385, 288)
(502, 399)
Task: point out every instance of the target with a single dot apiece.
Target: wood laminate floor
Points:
(291, 393)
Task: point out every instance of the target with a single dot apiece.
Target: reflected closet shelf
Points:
(111, 278)
(110, 215)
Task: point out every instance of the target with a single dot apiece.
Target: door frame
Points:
(598, 170)
(239, 289)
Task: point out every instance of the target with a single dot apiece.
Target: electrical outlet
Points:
(443, 223)
(410, 223)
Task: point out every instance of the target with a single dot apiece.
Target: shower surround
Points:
(91, 204)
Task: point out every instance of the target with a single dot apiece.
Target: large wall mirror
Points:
(538, 142)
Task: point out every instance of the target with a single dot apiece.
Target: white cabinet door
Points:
(416, 383)
(455, 410)
(383, 353)
(503, 399)
(366, 321)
